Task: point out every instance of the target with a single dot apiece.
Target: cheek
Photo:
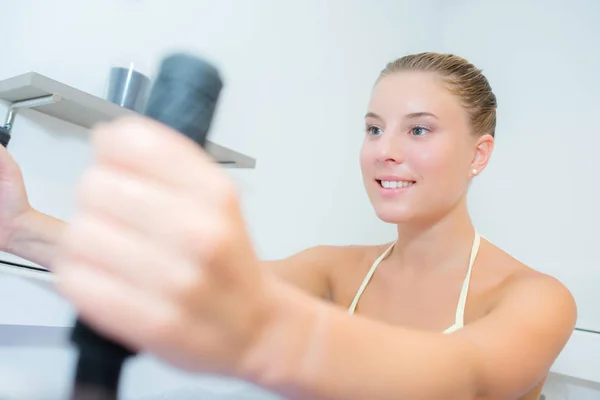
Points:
(428, 161)
(437, 162)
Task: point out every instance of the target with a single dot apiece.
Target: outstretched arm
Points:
(36, 237)
(339, 356)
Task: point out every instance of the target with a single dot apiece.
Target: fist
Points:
(157, 255)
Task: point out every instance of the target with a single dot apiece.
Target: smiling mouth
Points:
(394, 184)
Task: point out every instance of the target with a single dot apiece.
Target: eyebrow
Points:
(408, 116)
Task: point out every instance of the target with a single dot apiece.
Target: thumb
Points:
(8, 165)
(233, 256)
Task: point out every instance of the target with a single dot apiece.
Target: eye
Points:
(374, 130)
(419, 130)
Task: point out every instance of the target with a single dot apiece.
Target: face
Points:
(419, 152)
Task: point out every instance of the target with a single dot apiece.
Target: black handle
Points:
(99, 364)
(183, 97)
(4, 136)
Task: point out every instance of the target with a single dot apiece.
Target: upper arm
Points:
(307, 270)
(515, 345)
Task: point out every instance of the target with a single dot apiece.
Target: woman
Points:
(439, 313)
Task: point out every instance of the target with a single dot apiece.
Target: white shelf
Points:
(86, 110)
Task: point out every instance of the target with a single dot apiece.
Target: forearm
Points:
(35, 238)
(319, 352)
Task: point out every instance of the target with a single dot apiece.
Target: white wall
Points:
(298, 75)
(538, 198)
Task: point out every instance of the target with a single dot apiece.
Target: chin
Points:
(395, 215)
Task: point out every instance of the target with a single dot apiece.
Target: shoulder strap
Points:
(365, 282)
(462, 300)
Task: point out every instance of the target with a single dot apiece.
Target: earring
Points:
(474, 172)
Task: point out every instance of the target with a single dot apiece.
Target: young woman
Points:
(158, 257)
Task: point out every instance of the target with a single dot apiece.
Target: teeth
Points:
(395, 184)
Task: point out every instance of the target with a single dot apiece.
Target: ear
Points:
(483, 153)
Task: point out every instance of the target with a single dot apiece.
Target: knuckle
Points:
(218, 237)
(221, 231)
(165, 325)
(191, 231)
(226, 192)
(186, 283)
(199, 226)
(206, 235)
(129, 190)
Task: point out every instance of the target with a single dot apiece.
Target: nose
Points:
(390, 148)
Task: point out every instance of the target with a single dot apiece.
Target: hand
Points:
(157, 255)
(14, 203)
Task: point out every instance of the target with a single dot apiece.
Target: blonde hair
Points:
(463, 80)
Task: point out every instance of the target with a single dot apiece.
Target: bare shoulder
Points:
(518, 277)
(540, 300)
(530, 318)
(313, 269)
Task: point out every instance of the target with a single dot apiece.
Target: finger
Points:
(165, 216)
(152, 149)
(131, 316)
(127, 256)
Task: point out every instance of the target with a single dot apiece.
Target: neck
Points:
(435, 245)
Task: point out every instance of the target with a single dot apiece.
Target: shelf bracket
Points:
(14, 108)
